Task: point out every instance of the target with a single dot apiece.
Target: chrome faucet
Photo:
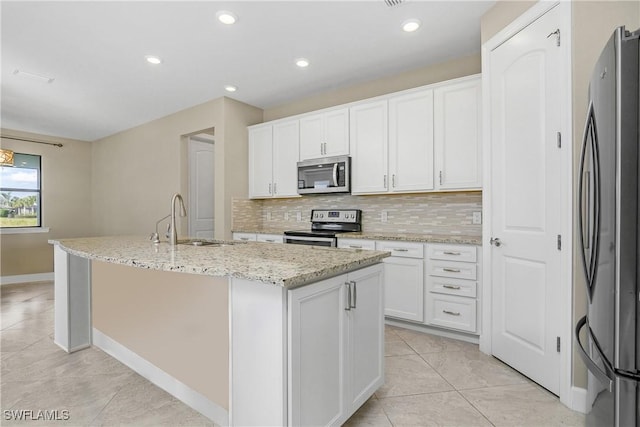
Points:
(173, 239)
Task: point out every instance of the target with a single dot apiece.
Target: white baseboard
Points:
(209, 409)
(578, 399)
(26, 278)
(473, 339)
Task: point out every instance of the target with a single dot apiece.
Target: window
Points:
(20, 194)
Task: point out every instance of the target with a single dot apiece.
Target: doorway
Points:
(201, 185)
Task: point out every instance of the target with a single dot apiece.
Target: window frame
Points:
(38, 228)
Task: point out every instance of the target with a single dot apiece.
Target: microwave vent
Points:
(392, 3)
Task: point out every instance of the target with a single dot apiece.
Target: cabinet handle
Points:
(400, 250)
(270, 188)
(385, 181)
(244, 238)
(453, 313)
(269, 240)
(325, 148)
(451, 270)
(393, 180)
(440, 177)
(321, 149)
(451, 253)
(348, 308)
(451, 286)
(355, 246)
(355, 293)
(275, 188)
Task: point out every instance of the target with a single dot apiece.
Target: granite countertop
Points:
(283, 265)
(404, 237)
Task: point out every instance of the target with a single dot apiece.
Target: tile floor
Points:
(429, 380)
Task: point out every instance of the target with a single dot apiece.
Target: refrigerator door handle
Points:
(604, 377)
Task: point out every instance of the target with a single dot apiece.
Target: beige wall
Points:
(410, 79)
(66, 202)
(592, 25)
(135, 172)
(179, 322)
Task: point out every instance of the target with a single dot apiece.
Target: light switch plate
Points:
(268, 215)
(299, 216)
(384, 216)
(477, 218)
(286, 216)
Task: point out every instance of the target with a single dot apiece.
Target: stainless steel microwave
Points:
(326, 175)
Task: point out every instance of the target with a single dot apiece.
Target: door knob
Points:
(495, 242)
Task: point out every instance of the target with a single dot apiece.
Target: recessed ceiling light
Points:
(302, 62)
(34, 76)
(230, 88)
(411, 25)
(226, 17)
(151, 59)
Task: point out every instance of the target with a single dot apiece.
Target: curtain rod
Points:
(55, 144)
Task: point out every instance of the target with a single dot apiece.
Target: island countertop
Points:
(283, 265)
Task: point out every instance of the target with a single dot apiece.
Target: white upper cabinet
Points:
(458, 137)
(285, 158)
(411, 142)
(324, 134)
(273, 154)
(261, 161)
(369, 147)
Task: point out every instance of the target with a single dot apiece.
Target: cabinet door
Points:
(458, 138)
(317, 353)
(260, 162)
(311, 137)
(366, 332)
(404, 288)
(285, 159)
(368, 139)
(411, 142)
(336, 132)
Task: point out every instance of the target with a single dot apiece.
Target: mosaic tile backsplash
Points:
(428, 213)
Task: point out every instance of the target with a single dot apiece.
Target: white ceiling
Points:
(95, 52)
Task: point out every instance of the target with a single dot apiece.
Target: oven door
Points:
(311, 241)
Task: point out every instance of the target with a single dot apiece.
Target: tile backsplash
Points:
(424, 213)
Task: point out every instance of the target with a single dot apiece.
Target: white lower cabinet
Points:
(404, 280)
(336, 347)
(270, 238)
(245, 237)
(452, 286)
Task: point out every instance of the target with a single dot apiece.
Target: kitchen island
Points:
(245, 333)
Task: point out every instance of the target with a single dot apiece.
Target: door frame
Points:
(572, 397)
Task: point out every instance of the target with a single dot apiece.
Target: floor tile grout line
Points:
(486, 417)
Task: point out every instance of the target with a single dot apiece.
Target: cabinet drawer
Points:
(401, 249)
(270, 238)
(443, 285)
(247, 237)
(452, 312)
(465, 253)
(456, 270)
(357, 244)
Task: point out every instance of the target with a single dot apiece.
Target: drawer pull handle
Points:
(244, 238)
(451, 270)
(451, 253)
(356, 246)
(400, 250)
(453, 313)
(451, 286)
(269, 240)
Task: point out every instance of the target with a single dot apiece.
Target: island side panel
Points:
(178, 322)
(72, 330)
(258, 354)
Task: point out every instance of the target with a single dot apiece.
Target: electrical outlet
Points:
(299, 216)
(477, 218)
(286, 216)
(384, 216)
(268, 215)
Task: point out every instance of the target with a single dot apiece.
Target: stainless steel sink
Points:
(203, 242)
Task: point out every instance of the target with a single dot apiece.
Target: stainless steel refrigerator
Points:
(608, 199)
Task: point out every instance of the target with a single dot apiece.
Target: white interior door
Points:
(525, 111)
(201, 186)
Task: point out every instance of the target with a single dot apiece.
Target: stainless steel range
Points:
(325, 225)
